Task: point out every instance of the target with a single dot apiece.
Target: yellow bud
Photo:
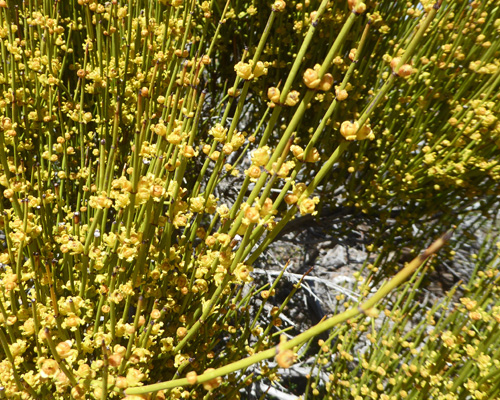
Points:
(292, 98)
(365, 132)
(395, 62)
(326, 83)
(348, 129)
(252, 214)
(405, 70)
(212, 383)
(279, 6)
(192, 377)
(297, 151)
(352, 54)
(313, 155)
(181, 332)
(291, 199)
(357, 6)
(64, 349)
(273, 94)
(233, 93)
(311, 78)
(260, 69)
(253, 172)
(244, 70)
(341, 94)
(285, 358)
(260, 156)
(307, 206)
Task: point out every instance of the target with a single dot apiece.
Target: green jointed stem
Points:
(363, 308)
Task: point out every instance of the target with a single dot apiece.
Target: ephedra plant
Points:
(151, 151)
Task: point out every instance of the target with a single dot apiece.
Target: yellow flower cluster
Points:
(146, 164)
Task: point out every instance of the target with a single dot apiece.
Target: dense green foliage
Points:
(151, 151)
